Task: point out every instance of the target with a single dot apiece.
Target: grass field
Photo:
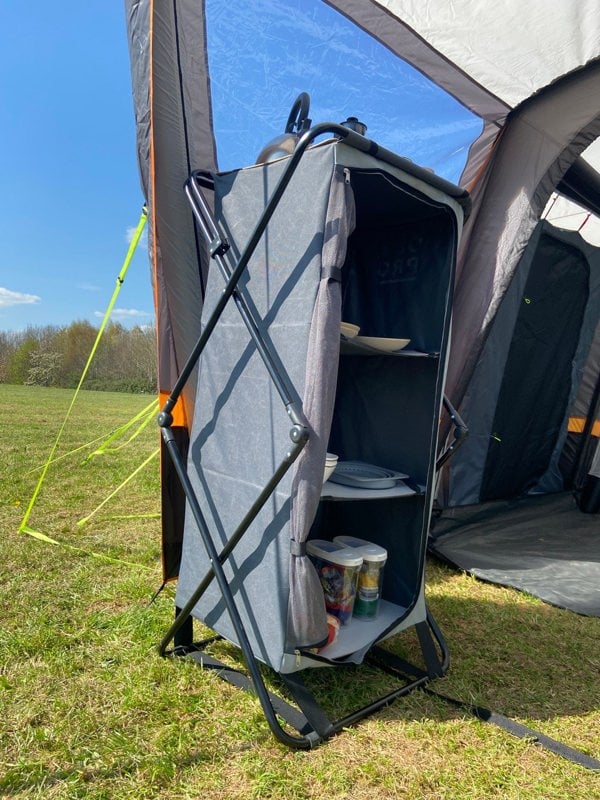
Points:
(90, 710)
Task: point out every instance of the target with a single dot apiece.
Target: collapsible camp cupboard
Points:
(342, 230)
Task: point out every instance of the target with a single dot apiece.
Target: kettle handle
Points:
(299, 115)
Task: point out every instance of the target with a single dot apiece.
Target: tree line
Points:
(124, 361)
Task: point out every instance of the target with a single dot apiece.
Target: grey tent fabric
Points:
(306, 613)
(171, 93)
(530, 74)
(508, 518)
(540, 141)
(174, 135)
(466, 469)
(540, 544)
(138, 29)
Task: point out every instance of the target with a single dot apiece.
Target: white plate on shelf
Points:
(380, 343)
(365, 476)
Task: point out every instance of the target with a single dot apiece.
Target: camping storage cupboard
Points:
(364, 237)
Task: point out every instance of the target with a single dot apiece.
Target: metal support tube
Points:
(276, 371)
(302, 742)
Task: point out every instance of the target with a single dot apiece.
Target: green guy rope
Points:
(120, 279)
(84, 520)
(49, 540)
(148, 413)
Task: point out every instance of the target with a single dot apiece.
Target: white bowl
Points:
(349, 330)
(331, 461)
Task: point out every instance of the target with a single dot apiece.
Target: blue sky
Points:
(69, 186)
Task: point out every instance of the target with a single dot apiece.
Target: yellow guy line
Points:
(118, 489)
(49, 540)
(147, 414)
(120, 278)
(149, 410)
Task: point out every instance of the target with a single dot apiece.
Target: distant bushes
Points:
(125, 359)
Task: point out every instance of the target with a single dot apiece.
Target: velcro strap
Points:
(332, 273)
(297, 548)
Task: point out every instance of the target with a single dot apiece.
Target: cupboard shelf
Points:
(338, 491)
(360, 633)
(351, 348)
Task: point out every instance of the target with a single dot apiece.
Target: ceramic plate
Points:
(379, 343)
(365, 476)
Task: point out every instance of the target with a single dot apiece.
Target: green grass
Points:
(90, 710)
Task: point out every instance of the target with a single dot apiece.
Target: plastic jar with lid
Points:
(370, 578)
(338, 568)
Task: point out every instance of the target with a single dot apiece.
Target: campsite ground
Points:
(89, 709)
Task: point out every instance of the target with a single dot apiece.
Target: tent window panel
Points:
(263, 54)
(535, 387)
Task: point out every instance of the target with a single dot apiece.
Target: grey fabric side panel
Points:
(583, 379)
(182, 141)
(174, 259)
(306, 611)
(536, 384)
(138, 33)
(240, 432)
(479, 403)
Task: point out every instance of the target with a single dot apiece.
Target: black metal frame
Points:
(310, 722)
(307, 717)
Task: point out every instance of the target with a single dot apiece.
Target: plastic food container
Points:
(370, 578)
(338, 569)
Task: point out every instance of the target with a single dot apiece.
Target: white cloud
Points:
(143, 242)
(9, 298)
(124, 312)
(88, 287)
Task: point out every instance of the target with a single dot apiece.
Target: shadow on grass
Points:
(37, 777)
(509, 652)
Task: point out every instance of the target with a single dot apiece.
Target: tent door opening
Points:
(533, 397)
(517, 498)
